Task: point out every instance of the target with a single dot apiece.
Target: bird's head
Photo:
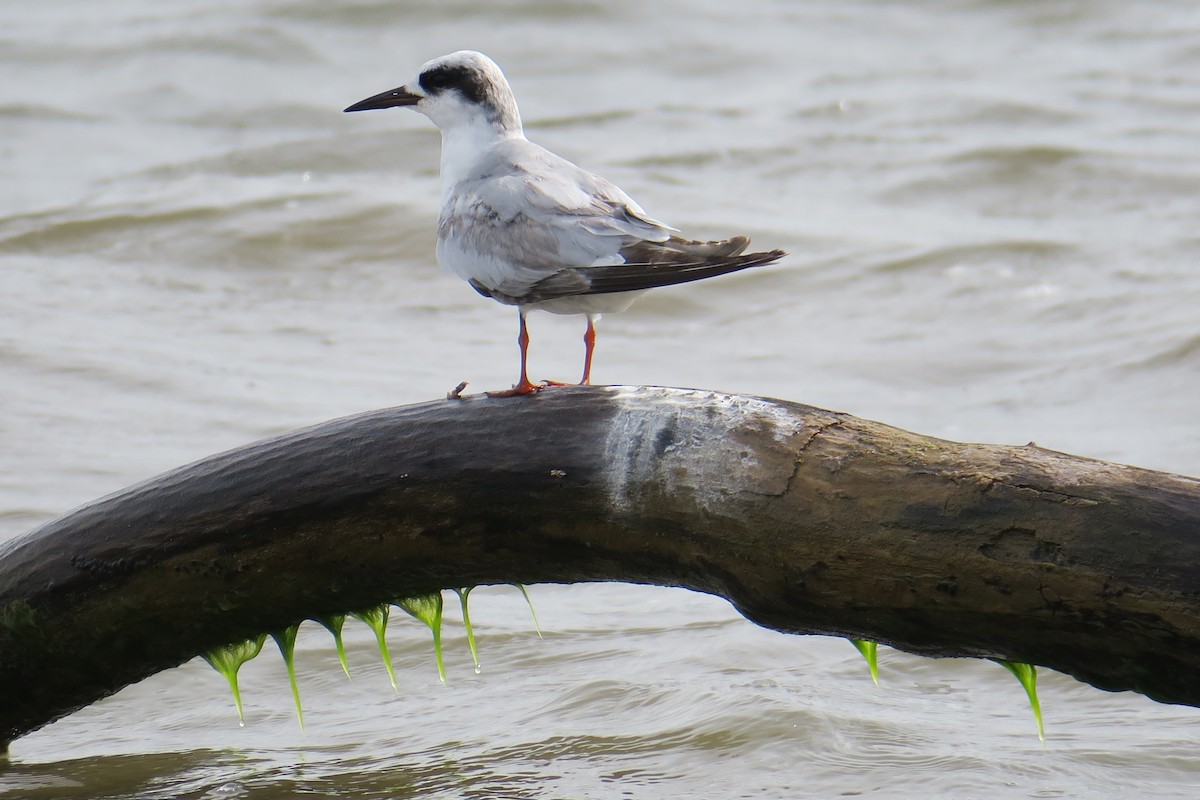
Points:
(462, 89)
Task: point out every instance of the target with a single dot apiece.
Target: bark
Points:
(807, 521)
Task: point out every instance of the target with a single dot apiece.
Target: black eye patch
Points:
(464, 80)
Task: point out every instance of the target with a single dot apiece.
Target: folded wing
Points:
(658, 264)
(529, 226)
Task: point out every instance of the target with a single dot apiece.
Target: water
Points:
(991, 208)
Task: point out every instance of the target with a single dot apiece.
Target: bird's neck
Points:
(464, 145)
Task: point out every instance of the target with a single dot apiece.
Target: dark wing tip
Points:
(633, 277)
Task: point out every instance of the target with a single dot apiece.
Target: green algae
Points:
(228, 659)
(376, 618)
(286, 639)
(532, 611)
(16, 617)
(466, 615)
(1027, 675)
(428, 609)
(19, 628)
(869, 651)
(333, 623)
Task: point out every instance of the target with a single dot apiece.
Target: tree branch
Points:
(807, 521)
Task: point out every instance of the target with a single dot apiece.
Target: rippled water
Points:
(991, 209)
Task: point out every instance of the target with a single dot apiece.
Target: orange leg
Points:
(589, 344)
(523, 385)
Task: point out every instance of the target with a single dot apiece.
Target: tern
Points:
(528, 228)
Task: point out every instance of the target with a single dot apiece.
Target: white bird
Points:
(529, 228)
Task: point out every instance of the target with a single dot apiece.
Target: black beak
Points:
(395, 97)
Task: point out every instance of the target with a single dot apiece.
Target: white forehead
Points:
(464, 58)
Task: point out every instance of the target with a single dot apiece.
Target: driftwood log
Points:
(807, 521)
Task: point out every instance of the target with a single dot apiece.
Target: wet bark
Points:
(807, 521)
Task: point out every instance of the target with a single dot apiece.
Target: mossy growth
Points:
(18, 628)
(228, 659)
(286, 639)
(428, 609)
(1027, 675)
(870, 651)
(334, 624)
(532, 610)
(376, 618)
(463, 594)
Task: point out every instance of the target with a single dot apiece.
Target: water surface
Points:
(991, 209)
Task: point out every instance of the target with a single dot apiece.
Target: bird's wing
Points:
(525, 215)
(527, 226)
(678, 267)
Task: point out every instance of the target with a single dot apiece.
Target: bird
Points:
(528, 228)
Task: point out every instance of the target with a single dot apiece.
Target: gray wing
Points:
(529, 226)
(673, 262)
(525, 214)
